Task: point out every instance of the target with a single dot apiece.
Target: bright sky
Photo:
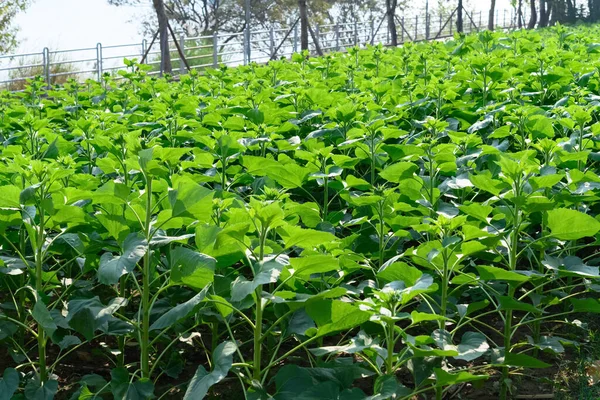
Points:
(67, 24)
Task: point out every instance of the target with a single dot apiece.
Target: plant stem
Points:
(41, 338)
(256, 371)
(145, 328)
(258, 335)
(512, 260)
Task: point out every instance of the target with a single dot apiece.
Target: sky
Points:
(68, 24)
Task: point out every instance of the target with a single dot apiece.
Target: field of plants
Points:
(409, 223)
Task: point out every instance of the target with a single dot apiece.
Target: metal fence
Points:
(57, 66)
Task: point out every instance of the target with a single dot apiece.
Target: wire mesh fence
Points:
(232, 49)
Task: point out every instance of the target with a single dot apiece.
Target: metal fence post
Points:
(372, 32)
(144, 46)
(337, 37)
(416, 27)
(182, 47)
(317, 33)
(295, 48)
(427, 21)
(451, 27)
(247, 52)
(480, 19)
(504, 22)
(402, 30)
(272, 42)
(215, 50)
(99, 61)
(441, 21)
(497, 18)
(355, 33)
(46, 61)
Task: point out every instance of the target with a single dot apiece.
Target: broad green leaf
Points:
(294, 236)
(88, 315)
(179, 312)
(9, 383)
(113, 267)
(588, 305)
(523, 360)
(509, 303)
(191, 200)
(443, 378)
(334, 315)
(399, 171)
(267, 271)
(472, 345)
(191, 268)
(35, 390)
(222, 360)
(489, 273)
(567, 224)
(125, 388)
(314, 264)
(43, 317)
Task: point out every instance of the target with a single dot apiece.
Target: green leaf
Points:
(314, 264)
(523, 360)
(179, 312)
(191, 200)
(43, 317)
(203, 380)
(586, 305)
(124, 388)
(509, 303)
(488, 273)
(304, 238)
(472, 345)
(9, 383)
(268, 271)
(191, 268)
(112, 268)
(86, 316)
(443, 378)
(567, 224)
(399, 171)
(388, 387)
(34, 390)
(334, 315)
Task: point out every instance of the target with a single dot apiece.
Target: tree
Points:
(163, 32)
(303, 10)
(8, 32)
(491, 15)
(459, 17)
(533, 17)
(390, 12)
(520, 14)
(544, 13)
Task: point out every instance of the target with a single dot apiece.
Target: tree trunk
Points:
(303, 24)
(594, 6)
(520, 14)
(543, 15)
(390, 6)
(533, 17)
(491, 15)
(459, 17)
(163, 31)
(571, 12)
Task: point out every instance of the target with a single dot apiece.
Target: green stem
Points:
(258, 334)
(145, 328)
(512, 259)
(41, 336)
